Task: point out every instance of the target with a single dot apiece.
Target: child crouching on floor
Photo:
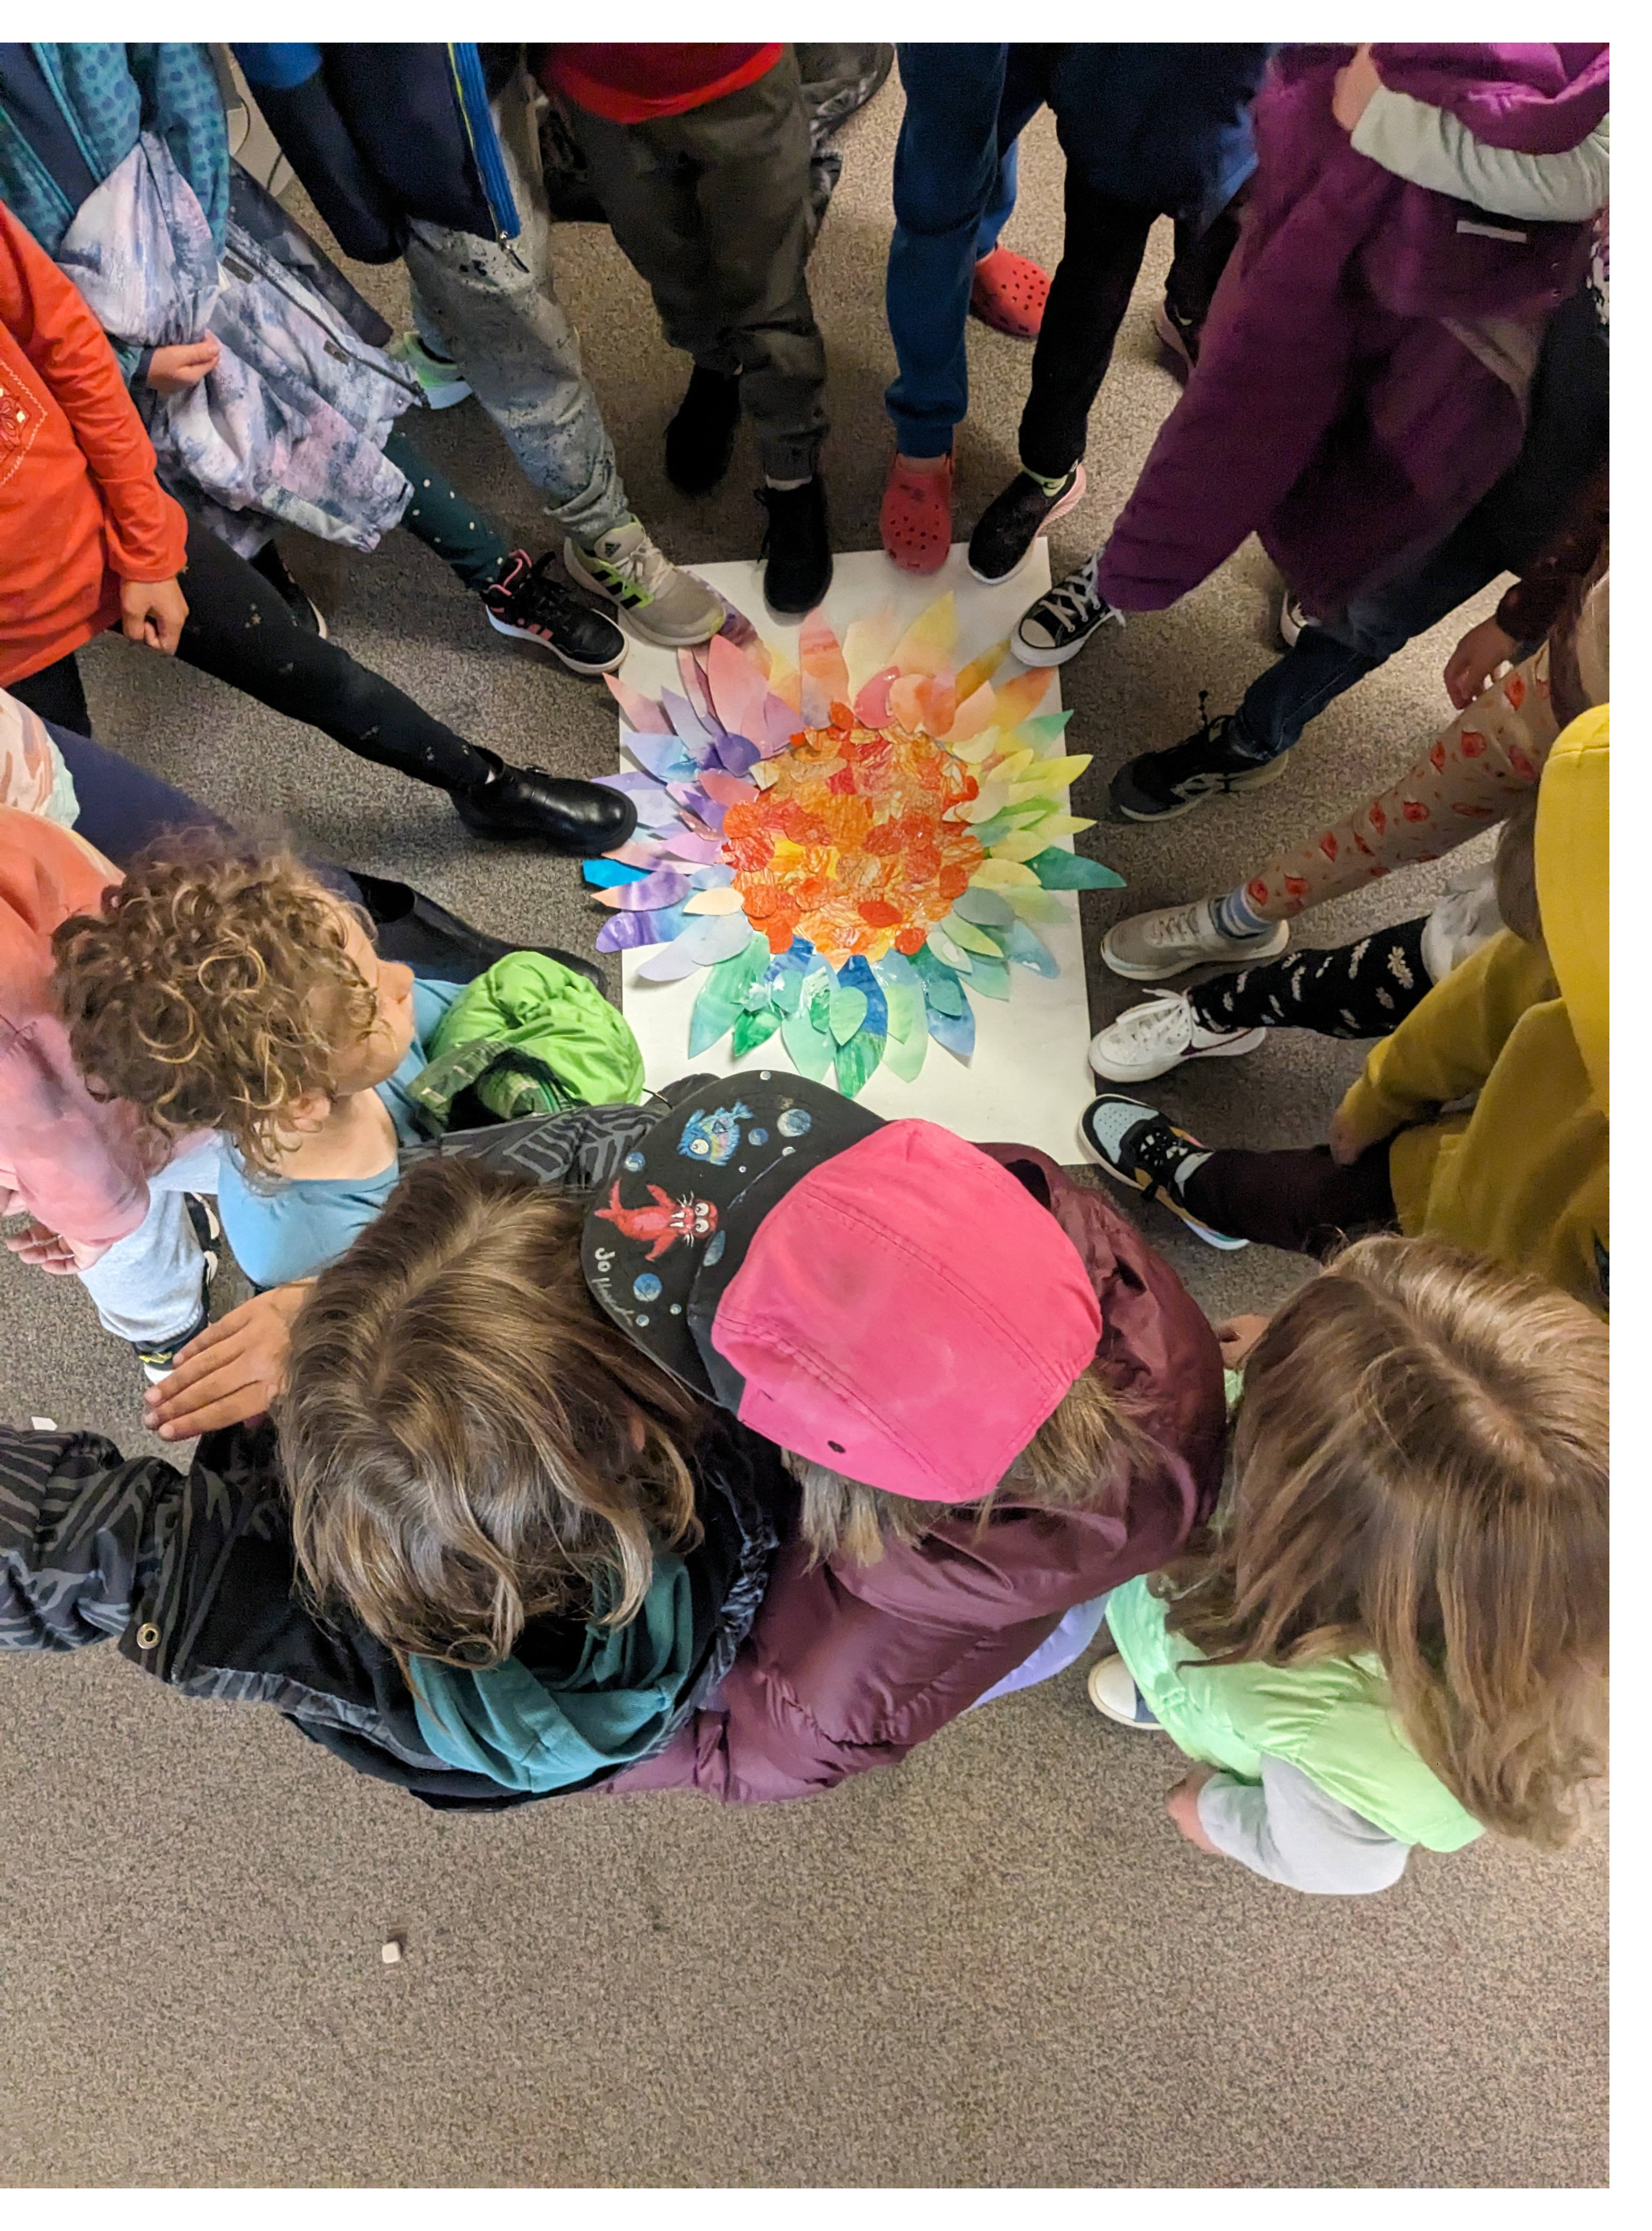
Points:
(222, 988)
(1397, 1632)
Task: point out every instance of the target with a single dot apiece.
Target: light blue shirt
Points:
(283, 1228)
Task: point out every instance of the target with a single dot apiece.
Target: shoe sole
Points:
(574, 665)
(1074, 495)
(1136, 972)
(1171, 341)
(1030, 655)
(1237, 784)
(1146, 1186)
(630, 615)
(1118, 1719)
(1247, 1043)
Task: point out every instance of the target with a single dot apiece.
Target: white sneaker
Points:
(1161, 1034)
(1171, 940)
(1292, 620)
(662, 603)
(440, 381)
(1113, 1691)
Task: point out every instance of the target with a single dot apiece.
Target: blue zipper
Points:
(465, 62)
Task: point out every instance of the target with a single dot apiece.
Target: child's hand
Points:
(1352, 88)
(153, 612)
(51, 1252)
(182, 366)
(1349, 1139)
(1476, 658)
(1236, 1336)
(1182, 1806)
(231, 1371)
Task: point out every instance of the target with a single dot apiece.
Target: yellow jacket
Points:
(1523, 1175)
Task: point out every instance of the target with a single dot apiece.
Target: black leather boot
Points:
(414, 930)
(524, 805)
(700, 440)
(797, 547)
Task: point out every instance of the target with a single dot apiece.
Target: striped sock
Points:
(1235, 917)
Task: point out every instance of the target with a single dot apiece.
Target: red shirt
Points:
(80, 510)
(631, 84)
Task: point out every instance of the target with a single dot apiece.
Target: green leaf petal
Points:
(1059, 870)
(903, 1058)
(1028, 950)
(751, 1030)
(965, 933)
(810, 1050)
(991, 979)
(977, 905)
(846, 1013)
(941, 945)
(722, 994)
(942, 990)
(857, 1060)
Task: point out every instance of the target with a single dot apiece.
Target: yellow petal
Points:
(975, 711)
(999, 874)
(976, 749)
(993, 799)
(724, 899)
(1064, 825)
(1020, 695)
(982, 669)
(1011, 767)
(926, 647)
(866, 646)
(1043, 775)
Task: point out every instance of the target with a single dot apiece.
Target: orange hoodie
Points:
(80, 510)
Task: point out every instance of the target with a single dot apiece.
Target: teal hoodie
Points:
(619, 1699)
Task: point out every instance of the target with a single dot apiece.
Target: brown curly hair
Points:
(213, 989)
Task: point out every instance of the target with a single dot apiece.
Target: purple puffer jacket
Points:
(1334, 413)
(849, 1666)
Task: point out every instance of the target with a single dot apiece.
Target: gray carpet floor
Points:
(998, 1965)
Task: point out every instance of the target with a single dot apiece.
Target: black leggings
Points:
(239, 629)
(1359, 991)
(1101, 254)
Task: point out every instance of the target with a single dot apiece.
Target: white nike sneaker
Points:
(662, 603)
(1171, 940)
(1113, 1691)
(1160, 1035)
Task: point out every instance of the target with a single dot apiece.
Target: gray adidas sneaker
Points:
(1169, 941)
(660, 602)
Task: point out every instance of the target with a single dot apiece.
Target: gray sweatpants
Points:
(493, 309)
(147, 1287)
(712, 209)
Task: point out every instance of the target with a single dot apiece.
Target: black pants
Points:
(239, 629)
(1297, 1199)
(1101, 254)
(1359, 991)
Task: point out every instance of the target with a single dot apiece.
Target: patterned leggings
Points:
(1358, 991)
(1468, 777)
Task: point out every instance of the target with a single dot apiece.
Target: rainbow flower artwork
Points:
(850, 852)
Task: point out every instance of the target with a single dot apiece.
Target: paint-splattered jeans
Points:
(492, 307)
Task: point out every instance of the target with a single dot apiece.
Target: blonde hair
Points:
(1419, 1469)
(468, 1441)
(1080, 1458)
(213, 989)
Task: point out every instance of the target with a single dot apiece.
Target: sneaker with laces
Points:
(160, 1358)
(526, 603)
(1170, 940)
(1162, 785)
(1062, 620)
(1114, 1694)
(1139, 1147)
(1013, 522)
(440, 381)
(1161, 1034)
(663, 603)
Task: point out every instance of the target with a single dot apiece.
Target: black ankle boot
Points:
(700, 440)
(579, 819)
(797, 545)
(413, 929)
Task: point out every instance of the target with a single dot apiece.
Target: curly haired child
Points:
(1397, 1632)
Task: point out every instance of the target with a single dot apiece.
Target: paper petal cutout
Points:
(605, 875)
(639, 850)
(906, 701)
(846, 1013)
(721, 899)
(728, 789)
(960, 931)
(1017, 696)
(810, 1050)
(926, 647)
(943, 949)
(692, 673)
(753, 1029)
(664, 887)
(1028, 950)
(684, 720)
(982, 906)
(626, 930)
(711, 877)
(698, 852)
(981, 668)
(737, 688)
(721, 997)
(942, 992)
(1043, 733)
(972, 715)
(780, 722)
(641, 713)
(955, 1032)
(738, 753)
(866, 645)
(820, 656)
(871, 702)
(857, 975)
(991, 978)
(856, 1060)
(1060, 870)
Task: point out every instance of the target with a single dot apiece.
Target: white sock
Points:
(786, 487)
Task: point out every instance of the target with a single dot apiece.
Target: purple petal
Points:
(683, 718)
(702, 850)
(662, 886)
(664, 756)
(817, 702)
(728, 789)
(737, 754)
(780, 722)
(707, 938)
(626, 930)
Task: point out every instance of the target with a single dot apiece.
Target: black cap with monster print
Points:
(659, 1252)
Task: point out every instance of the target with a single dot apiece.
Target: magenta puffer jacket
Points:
(848, 1666)
(1359, 384)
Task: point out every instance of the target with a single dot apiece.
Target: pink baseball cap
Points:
(905, 1313)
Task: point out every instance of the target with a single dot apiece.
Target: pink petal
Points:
(693, 676)
(728, 789)
(871, 706)
(737, 688)
(781, 723)
(820, 655)
(640, 712)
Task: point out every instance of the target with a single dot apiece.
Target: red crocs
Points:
(916, 521)
(1009, 293)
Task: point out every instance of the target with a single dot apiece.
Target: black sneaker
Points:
(1059, 625)
(700, 440)
(527, 603)
(1013, 522)
(1159, 786)
(797, 547)
(1139, 1147)
(302, 608)
(160, 1358)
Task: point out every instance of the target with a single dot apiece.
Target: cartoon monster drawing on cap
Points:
(664, 1222)
(714, 1138)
